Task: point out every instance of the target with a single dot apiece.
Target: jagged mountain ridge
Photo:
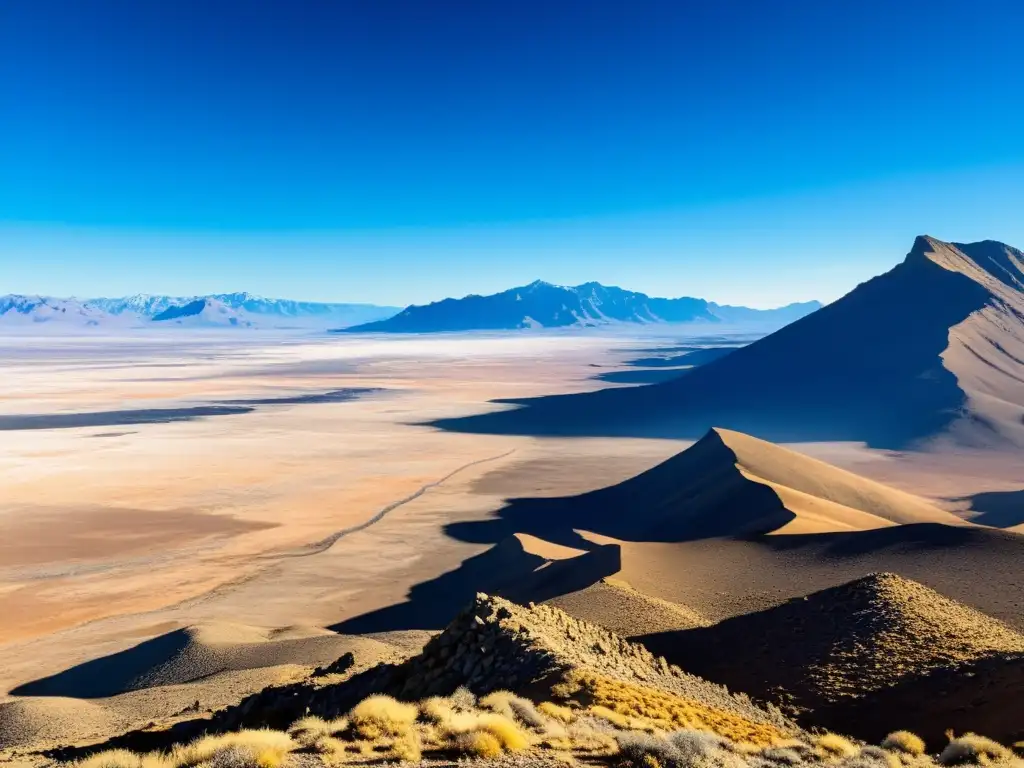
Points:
(544, 305)
(149, 307)
(203, 312)
(20, 309)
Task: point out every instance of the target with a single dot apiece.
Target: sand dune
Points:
(183, 674)
(196, 652)
(730, 484)
(932, 349)
(727, 484)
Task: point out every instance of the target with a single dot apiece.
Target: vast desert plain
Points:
(188, 517)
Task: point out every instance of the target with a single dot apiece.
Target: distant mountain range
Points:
(28, 310)
(242, 310)
(543, 305)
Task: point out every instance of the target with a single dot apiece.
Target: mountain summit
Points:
(543, 305)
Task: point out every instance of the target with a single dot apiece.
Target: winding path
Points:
(329, 541)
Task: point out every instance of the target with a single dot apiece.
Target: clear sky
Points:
(396, 152)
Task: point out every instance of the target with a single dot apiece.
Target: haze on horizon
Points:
(399, 153)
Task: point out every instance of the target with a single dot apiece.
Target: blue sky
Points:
(396, 152)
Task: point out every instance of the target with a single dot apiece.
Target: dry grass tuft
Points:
(436, 709)
(904, 741)
(682, 749)
(506, 731)
(478, 744)
(331, 748)
(261, 748)
(310, 730)
(463, 699)
(883, 758)
(407, 747)
(585, 738)
(972, 748)
(378, 716)
(556, 712)
(625, 722)
(122, 758)
(514, 708)
(834, 745)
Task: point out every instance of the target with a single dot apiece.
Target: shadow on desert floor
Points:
(121, 418)
(999, 509)
(505, 569)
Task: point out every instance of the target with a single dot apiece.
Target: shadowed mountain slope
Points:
(932, 348)
(840, 644)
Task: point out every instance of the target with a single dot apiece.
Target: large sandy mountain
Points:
(934, 348)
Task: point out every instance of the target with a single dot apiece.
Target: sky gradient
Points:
(398, 152)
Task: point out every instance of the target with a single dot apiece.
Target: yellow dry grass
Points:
(972, 748)
(378, 716)
(556, 712)
(407, 747)
(661, 709)
(479, 744)
(834, 745)
(904, 741)
(268, 749)
(436, 709)
(511, 737)
(122, 758)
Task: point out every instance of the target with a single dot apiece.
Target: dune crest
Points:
(732, 484)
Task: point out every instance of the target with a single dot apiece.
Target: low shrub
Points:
(555, 711)
(834, 745)
(478, 744)
(407, 747)
(263, 748)
(643, 750)
(506, 731)
(878, 757)
(514, 708)
(463, 699)
(122, 758)
(377, 716)
(436, 709)
(972, 748)
(904, 741)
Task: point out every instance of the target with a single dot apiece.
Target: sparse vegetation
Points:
(509, 735)
(834, 745)
(263, 749)
(478, 744)
(972, 748)
(407, 747)
(904, 741)
(636, 707)
(379, 716)
(122, 758)
(514, 708)
(555, 711)
(640, 732)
